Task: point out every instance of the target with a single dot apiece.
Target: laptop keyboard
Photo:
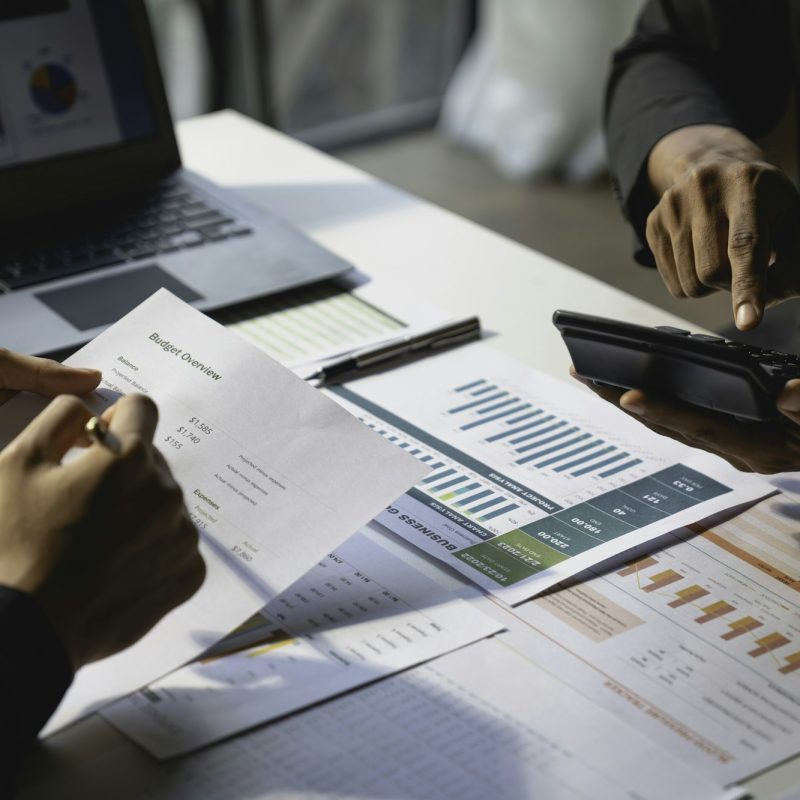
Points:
(172, 217)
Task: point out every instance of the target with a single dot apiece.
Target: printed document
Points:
(531, 480)
(275, 476)
(696, 645)
(481, 722)
(365, 611)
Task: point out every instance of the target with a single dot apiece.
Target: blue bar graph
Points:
(425, 458)
(560, 446)
(484, 390)
(568, 454)
(437, 465)
(492, 418)
(503, 404)
(519, 429)
(602, 464)
(415, 451)
(438, 475)
(472, 498)
(404, 445)
(447, 484)
(586, 459)
(476, 403)
(467, 488)
(487, 504)
(560, 435)
(628, 465)
(524, 417)
(392, 438)
(499, 513)
(470, 385)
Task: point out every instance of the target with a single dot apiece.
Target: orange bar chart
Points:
(768, 644)
(662, 579)
(794, 663)
(741, 626)
(635, 566)
(688, 595)
(714, 611)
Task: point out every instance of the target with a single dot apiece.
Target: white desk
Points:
(387, 234)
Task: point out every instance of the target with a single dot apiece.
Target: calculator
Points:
(707, 371)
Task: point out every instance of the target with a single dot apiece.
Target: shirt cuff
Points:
(35, 672)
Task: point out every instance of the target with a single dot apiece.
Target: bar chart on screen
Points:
(530, 480)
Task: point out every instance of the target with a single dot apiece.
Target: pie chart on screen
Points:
(53, 88)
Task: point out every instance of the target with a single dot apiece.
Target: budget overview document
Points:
(274, 474)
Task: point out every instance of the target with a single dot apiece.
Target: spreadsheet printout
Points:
(365, 611)
(446, 730)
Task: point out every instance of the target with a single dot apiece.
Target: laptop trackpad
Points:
(103, 301)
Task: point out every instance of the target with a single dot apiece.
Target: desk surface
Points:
(391, 235)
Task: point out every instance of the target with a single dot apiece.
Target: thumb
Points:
(789, 401)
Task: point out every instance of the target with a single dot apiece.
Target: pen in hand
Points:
(451, 333)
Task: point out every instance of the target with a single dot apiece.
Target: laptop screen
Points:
(71, 79)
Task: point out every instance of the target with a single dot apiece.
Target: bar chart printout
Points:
(531, 480)
(708, 664)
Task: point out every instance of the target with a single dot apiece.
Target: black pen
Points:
(452, 333)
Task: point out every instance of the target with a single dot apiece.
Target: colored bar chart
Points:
(768, 643)
(793, 663)
(715, 611)
(636, 566)
(689, 595)
(741, 626)
(537, 440)
(662, 579)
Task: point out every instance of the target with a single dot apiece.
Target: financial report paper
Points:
(697, 645)
(274, 475)
(531, 480)
(449, 730)
(367, 610)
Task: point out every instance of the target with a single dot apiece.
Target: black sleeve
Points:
(35, 672)
(690, 62)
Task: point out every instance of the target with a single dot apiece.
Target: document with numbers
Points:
(531, 480)
(367, 610)
(275, 476)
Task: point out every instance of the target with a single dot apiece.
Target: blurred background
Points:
(489, 108)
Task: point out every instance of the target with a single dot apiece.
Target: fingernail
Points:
(789, 398)
(746, 316)
(631, 405)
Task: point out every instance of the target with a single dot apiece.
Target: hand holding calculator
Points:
(731, 399)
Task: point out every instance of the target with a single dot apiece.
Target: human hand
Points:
(765, 447)
(726, 219)
(103, 542)
(42, 376)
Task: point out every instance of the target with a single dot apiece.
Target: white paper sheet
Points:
(364, 612)
(482, 722)
(532, 480)
(274, 474)
(697, 645)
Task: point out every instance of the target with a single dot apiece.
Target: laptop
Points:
(96, 211)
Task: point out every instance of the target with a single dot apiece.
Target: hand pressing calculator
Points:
(707, 371)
